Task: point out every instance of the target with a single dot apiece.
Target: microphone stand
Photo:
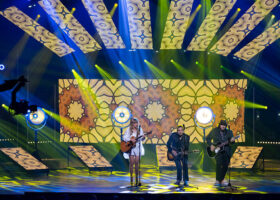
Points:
(140, 153)
(231, 188)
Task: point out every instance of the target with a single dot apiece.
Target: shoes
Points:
(186, 183)
(224, 184)
(177, 182)
(138, 184)
(217, 183)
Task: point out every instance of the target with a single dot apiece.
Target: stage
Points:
(154, 182)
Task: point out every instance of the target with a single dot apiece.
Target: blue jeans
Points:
(179, 163)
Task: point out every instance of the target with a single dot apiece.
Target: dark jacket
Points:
(177, 144)
(215, 137)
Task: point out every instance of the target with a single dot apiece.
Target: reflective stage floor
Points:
(154, 182)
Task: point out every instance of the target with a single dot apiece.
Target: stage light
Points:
(171, 60)
(204, 115)
(266, 107)
(273, 16)
(121, 115)
(37, 118)
(73, 10)
(120, 62)
(222, 66)
(2, 67)
(196, 62)
(115, 4)
(199, 6)
(145, 60)
(238, 9)
(3, 105)
(204, 118)
(242, 71)
(37, 18)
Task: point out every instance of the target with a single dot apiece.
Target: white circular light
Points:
(204, 115)
(121, 114)
(2, 67)
(37, 118)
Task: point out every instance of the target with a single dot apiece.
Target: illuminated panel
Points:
(104, 24)
(24, 159)
(210, 25)
(90, 156)
(162, 157)
(68, 23)
(159, 104)
(245, 157)
(260, 43)
(243, 26)
(176, 24)
(138, 12)
(37, 31)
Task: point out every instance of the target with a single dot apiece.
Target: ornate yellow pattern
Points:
(24, 159)
(243, 26)
(69, 24)
(90, 156)
(211, 25)
(176, 24)
(245, 157)
(161, 151)
(138, 12)
(104, 24)
(260, 43)
(179, 98)
(37, 31)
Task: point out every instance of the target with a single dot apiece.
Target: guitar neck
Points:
(227, 142)
(142, 136)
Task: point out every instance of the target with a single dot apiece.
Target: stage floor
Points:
(80, 181)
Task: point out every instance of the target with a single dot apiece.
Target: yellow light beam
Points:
(156, 71)
(103, 73)
(182, 70)
(132, 74)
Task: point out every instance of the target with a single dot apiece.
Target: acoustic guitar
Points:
(219, 147)
(127, 146)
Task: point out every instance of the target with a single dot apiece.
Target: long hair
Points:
(131, 126)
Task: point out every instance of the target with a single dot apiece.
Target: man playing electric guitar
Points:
(178, 145)
(221, 134)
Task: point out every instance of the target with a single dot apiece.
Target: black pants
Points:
(179, 163)
(222, 162)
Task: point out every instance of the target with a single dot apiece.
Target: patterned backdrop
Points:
(160, 105)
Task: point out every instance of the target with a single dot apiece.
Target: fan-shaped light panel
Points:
(138, 12)
(70, 25)
(211, 25)
(35, 30)
(253, 16)
(176, 24)
(204, 115)
(104, 24)
(260, 43)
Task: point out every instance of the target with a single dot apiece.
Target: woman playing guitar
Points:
(131, 133)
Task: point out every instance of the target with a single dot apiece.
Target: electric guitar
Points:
(127, 146)
(219, 147)
(171, 157)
